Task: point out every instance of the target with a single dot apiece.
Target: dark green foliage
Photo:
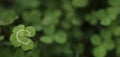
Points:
(59, 28)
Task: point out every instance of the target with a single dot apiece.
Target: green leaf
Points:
(29, 31)
(14, 41)
(27, 3)
(49, 30)
(38, 27)
(114, 2)
(79, 3)
(17, 28)
(34, 53)
(28, 46)
(60, 37)
(29, 16)
(109, 45)
(116, 31)
(91, 18)
(101, 14)
(96, 39)
(66, 5)
(99, 51)
(75, 21)
(112, 13)
(106, 34)
(105, 22)
(23, 40)
(46, 39)
(7, 16)
(48, 18)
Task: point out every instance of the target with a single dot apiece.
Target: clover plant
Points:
(21, 37)
(59, 28)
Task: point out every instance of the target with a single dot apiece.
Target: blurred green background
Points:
(64, 28)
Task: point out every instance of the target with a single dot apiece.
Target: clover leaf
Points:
(114, 2)
(7, 16)
(101, 14)
(79, 3)
(46, 39)
(109, 45)
(96, 39)
(20, 37)
(112, 13)
(48, 18)
(48, 30)
(29, 16)
(116, 31)
(91, 18)
(106, 34)
(60, 37)
(105, 22)
(75, 21)
(27, 3)
(99, 51)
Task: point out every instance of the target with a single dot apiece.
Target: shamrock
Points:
(20, 37)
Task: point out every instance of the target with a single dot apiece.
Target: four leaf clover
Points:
(20, 37)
